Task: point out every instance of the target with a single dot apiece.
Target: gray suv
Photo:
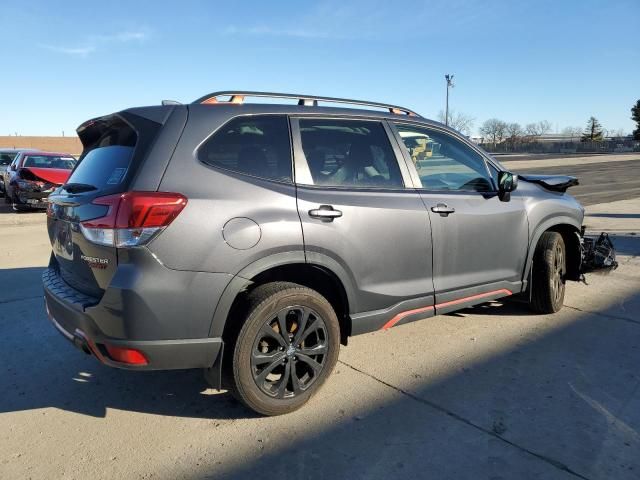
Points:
(252, 239)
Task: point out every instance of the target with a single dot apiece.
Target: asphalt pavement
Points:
(490, 392)
(603, 178)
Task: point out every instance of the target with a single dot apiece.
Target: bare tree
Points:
(458, 121)
(618, 133)
(572, 132)
(544, 127)
(514, 132)
(494, 130)
(537, 129)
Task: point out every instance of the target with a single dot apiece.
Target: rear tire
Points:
(273, 373)
(549, 269)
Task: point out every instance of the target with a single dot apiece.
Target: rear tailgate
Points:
(115, 147)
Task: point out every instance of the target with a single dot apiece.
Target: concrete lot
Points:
(490, 392)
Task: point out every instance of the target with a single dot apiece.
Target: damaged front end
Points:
(598, 254)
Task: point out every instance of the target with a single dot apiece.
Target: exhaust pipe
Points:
(81, 343)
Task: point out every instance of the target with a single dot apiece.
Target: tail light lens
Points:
(133, 218)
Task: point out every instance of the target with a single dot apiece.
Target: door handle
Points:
(326, 213)
(443, 209)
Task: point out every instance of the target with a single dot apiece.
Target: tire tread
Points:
(255, 301)
(541, 294)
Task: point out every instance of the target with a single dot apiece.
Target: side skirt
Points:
(425, 307)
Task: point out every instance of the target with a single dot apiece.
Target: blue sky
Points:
(562, 61)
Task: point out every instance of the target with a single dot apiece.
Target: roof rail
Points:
(237, 97)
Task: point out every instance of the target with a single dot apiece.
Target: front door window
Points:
(444, 162)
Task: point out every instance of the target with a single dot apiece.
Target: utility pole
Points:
(449, 79)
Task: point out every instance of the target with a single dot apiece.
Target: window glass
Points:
(493, 171)
(49, 161)
(256, 145)
(349, 153)
(444, 162)
(103, 167)
(6, 158)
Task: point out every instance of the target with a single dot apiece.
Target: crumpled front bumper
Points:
(598, 253)
(34, 197)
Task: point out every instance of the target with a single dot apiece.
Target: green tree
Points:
(593, 132)
(635, 116)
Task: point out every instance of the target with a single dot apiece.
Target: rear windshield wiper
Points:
(78, 187)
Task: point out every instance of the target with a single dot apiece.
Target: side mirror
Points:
(12, 168)
(507, 183)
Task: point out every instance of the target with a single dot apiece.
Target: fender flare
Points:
(242, 280)
(542, 227)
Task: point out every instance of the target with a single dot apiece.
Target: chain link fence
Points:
(606, 146)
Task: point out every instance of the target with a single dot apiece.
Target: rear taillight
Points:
(133, 218)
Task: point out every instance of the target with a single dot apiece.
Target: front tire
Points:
(285, 350)
(549, 269)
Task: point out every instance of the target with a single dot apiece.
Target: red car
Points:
(33, 175)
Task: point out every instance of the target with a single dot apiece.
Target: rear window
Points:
(103, 167)
(256, 145)
(49, 161)
(106, 161)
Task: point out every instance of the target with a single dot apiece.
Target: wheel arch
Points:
(283, 267)
(569, 228)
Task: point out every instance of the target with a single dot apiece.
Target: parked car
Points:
(33, 175)
(7, 155)
(272, 233)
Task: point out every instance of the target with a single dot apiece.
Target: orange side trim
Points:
(401, 315)
(473, 297)
(406, 313)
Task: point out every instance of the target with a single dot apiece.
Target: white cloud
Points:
(73, 51)
(122, 37)
(95, 42)
(279, 32)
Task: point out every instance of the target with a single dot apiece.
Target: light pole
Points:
(449, 79)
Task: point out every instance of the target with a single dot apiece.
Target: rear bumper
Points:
(69, 311)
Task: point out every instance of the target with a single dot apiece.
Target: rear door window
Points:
(257, 145)
(349, 153)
